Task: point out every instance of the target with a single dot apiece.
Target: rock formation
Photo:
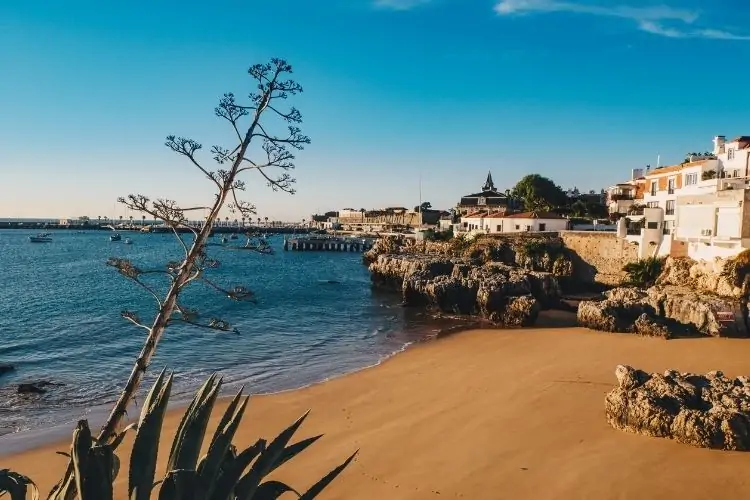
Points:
(504, 294)
(680, 310)
(6, 368)
(708, 411)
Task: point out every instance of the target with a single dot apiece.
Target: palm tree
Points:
(99, 217)
(121, 219)
(266, 219)
(243, 221)
(227, 221)
(143, 220)
(131, 221)
(259, 221)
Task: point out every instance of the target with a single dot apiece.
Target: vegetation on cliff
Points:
(644, 272)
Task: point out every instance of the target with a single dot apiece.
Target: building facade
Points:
(500, 222)
(488, 199)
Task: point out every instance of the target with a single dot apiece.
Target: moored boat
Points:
(115, 237)
(128, 241)
(41, 238)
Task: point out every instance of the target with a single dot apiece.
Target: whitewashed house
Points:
(500, 222)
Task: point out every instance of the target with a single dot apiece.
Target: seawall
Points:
(598, 257)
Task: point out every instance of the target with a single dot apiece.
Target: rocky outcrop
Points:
(663, 309)
(703, 276)
(36, 387)
(708, 411)
(501, 293)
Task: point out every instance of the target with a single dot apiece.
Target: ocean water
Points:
(316, 317)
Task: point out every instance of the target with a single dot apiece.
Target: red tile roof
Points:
(534, 215)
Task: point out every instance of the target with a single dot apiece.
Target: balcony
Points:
(669, 211)
(621, 197)
(670, 190)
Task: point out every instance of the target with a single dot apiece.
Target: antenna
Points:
(658, 160)
(420, 198)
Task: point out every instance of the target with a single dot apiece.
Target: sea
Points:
(315, 317)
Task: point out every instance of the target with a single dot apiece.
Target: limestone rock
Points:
(618, 312)
(650, 326)
(709, 411)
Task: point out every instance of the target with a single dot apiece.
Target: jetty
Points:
(328, 244)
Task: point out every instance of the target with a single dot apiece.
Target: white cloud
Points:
(399, 4)
(659, 20)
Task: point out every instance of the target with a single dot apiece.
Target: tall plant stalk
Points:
(271, 87)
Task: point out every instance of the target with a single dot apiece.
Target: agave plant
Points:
(644, 272)
(222, 473)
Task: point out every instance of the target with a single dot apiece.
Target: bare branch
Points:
(214, 324)
(133, 318)
(187, 148)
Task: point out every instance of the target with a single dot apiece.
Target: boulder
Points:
(664, 311)
(6, 368)
(708, 411)
(35, 387)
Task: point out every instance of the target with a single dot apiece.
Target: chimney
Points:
(719, 143)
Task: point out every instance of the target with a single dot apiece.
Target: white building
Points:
(499, 222)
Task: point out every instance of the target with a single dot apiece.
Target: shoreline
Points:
(479, 413)
(58, 434)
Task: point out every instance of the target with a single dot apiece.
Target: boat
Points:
(224, 239)
(128, 241)
(41, 238)
(233, 236)
(115, 237)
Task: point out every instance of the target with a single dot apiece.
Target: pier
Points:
(324, 244)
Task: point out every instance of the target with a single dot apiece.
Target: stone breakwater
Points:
(504, 294)
(665, 311)
(708, 411)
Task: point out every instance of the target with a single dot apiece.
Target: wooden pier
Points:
(328, 244)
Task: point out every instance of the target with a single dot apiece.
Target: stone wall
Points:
(598, 257)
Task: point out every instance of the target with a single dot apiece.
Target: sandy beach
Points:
(489, 414)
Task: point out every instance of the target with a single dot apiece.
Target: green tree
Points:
(537, 192)
(424, 206)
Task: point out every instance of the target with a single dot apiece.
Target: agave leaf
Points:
(293, 450)
(233, 468)
(189, 438)
(315, 489)
(146, 442)
(178, 485)
(117, 441)
(16, 485)
(66, 488)
(100, 473)
(228, 415)
(209, 468)
(79, 453)
(267, 461)
(271, 490)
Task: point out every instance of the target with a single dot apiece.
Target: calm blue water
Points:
(316, 317)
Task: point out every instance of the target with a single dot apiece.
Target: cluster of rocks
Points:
(664, 311)
(709, 411)
(502, 293)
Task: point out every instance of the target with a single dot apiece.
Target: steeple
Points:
(489, 185)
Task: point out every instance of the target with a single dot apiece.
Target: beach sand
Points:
(489, 414)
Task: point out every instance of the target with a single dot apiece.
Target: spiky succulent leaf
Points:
(100, 474)
(271, 490)
(232, 470)
(211, 464)
(293, 450)
(16, 485)
(179, 485)
(267, 461)
(146, 442)
(189, 438)
(315, 489)
(79, 454)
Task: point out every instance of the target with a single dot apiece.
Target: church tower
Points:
(489, 185)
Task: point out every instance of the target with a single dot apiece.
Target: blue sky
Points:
(578, 90)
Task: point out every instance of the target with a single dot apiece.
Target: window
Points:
(499, 228)
(670, 185)
(670, 207)
(691, 179)
(528, 228)
(652, 225)
(730, 154)
(652, 204)
(542, 226)
(653, 188)
(736, 173)
(518, 228)
(481, 200)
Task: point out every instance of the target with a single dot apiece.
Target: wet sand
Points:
(486, 414)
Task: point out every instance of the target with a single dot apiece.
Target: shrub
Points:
(644, 272)
(222, 473)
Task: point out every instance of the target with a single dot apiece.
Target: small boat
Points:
(128, 241)
(224, 239)
(41, 238)
(233, 236)
(115, 237)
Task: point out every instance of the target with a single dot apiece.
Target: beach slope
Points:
(514, 414)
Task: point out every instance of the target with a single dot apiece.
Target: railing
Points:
(670, 190)
(669, 211)
(620, 197)
(634, 231)
(666, 230)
